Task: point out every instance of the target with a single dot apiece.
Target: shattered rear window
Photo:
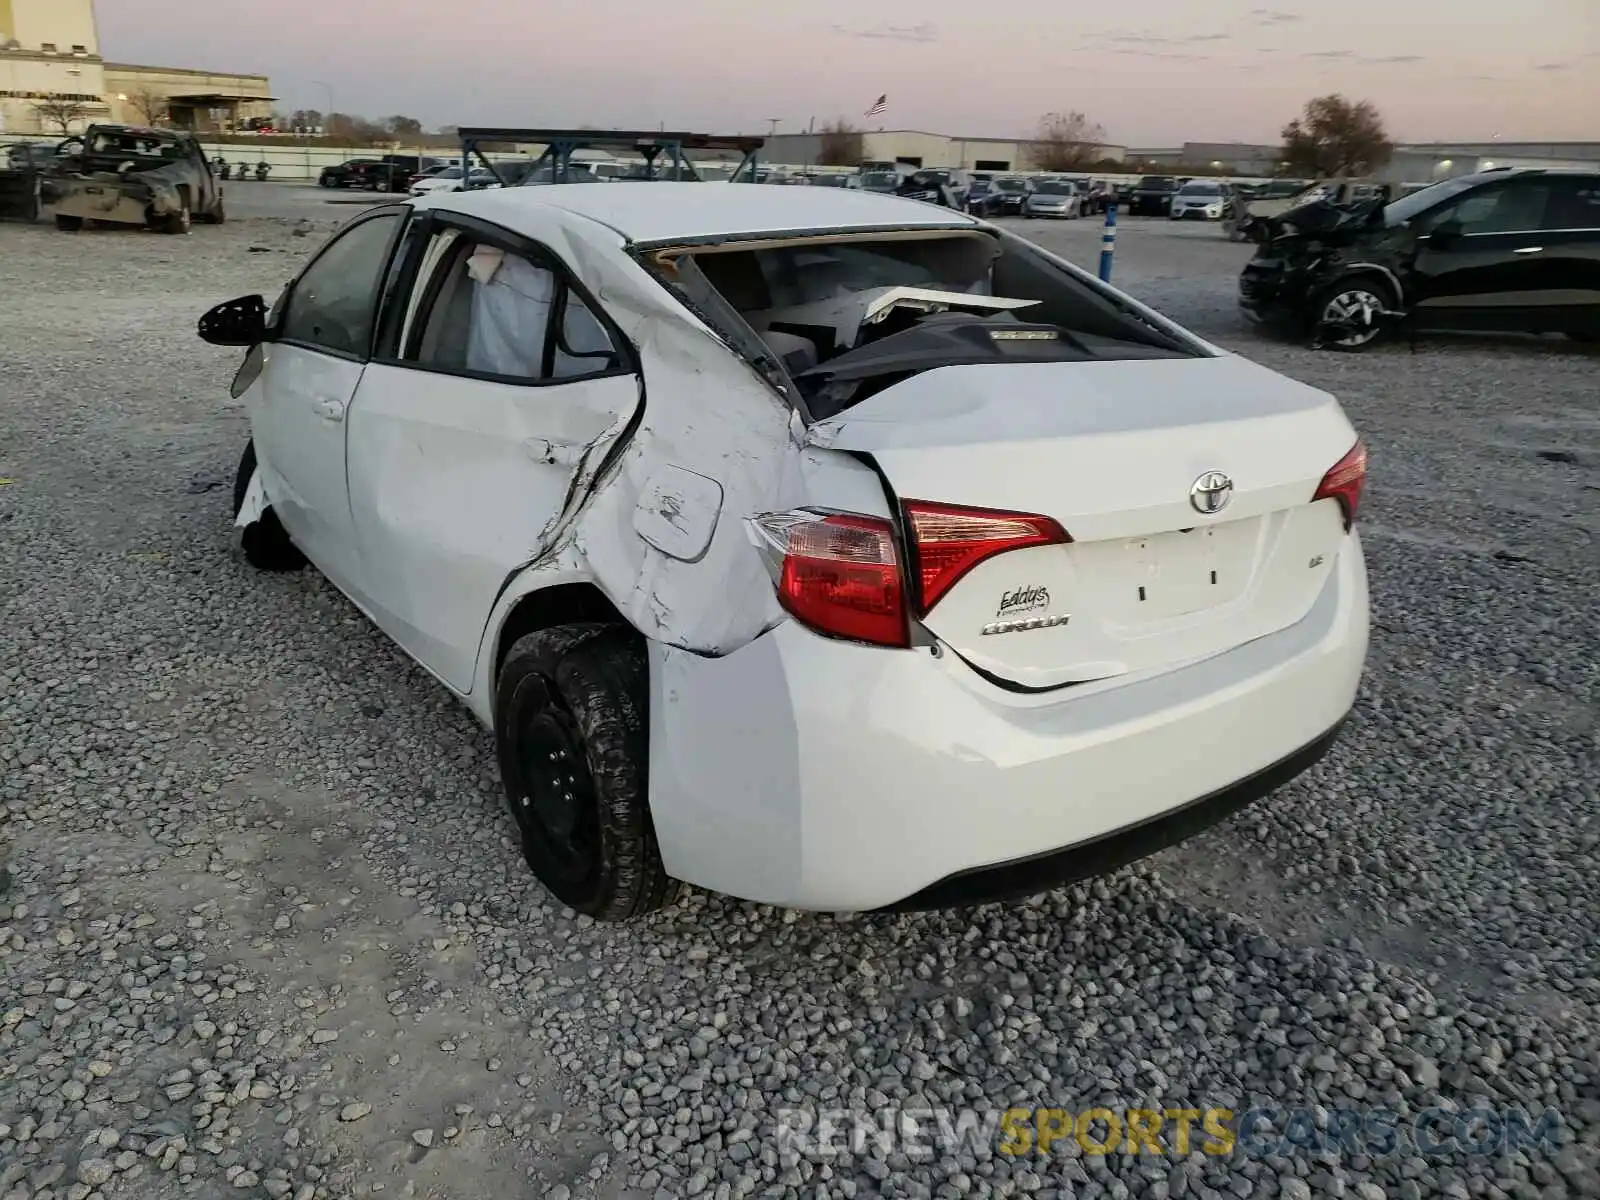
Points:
(808, 309)
(137, 145)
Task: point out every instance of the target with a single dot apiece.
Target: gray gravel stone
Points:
(95, 1172)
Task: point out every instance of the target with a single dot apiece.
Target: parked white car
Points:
(451, 180)
(1199, 199)
(823, 548)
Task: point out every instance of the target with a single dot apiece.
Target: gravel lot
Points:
(267, 931)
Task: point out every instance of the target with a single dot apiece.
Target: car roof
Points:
(1509, 172)
(662, 211)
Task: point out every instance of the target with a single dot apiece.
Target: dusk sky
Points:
(1152, 72)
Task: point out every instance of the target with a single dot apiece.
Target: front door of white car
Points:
(472, 439)
(311, 368)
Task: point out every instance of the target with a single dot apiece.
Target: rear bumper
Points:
(1031, 876)
(812, 773)
(108, 203)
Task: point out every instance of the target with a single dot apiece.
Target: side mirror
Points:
(241, 322)
(1445, 232)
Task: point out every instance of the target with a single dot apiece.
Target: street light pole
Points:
(327, 116)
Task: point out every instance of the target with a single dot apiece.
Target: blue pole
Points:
(1108, 243)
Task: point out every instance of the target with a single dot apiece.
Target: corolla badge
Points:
(1211, 492)
(1014, 607)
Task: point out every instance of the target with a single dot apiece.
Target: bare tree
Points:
(60, 114)
(841, 145)
(1066, 141)
(151, 105)
(1336, 137)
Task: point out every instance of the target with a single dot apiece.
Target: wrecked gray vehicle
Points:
(28, 180)
(126, 175)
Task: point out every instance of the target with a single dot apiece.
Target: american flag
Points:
(879, 106)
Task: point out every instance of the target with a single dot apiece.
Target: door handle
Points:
(329, 409)
(1531, 250)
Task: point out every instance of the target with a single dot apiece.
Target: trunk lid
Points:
(1112, 451)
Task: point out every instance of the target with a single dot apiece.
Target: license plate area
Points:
(1141, 581)
(1170, 574)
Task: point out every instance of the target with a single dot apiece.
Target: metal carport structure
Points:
(658, 148)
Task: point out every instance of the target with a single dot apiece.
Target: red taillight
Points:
(838, 573)
(1344, 482)
(948, 541)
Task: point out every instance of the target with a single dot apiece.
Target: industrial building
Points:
(53, 79)
(1421, 162)
(919, 148)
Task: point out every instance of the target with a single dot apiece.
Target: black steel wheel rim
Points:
(556, 808)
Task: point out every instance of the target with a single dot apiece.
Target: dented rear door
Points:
(471, 450)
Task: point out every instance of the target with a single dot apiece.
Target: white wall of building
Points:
(59, 23)
(50, 55)
(27, 81)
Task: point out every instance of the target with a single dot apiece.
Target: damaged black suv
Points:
(1502, 251)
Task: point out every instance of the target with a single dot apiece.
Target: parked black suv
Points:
(1152, 196)
(1006, 197)
(394, 172)
(346, 174)
(1508, 251)
(391, 173)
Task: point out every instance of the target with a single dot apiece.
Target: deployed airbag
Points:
(511, 301)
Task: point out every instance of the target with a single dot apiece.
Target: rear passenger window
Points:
(482, 310)
(1515, 207)
(1574, 204)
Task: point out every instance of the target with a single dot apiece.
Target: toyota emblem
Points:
(1211, 493)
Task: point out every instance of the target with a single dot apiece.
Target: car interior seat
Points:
(445, 338)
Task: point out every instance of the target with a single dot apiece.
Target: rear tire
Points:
(573, 743)
(68, 224)
(265, 541)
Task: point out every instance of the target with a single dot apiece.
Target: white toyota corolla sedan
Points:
(819, 547)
